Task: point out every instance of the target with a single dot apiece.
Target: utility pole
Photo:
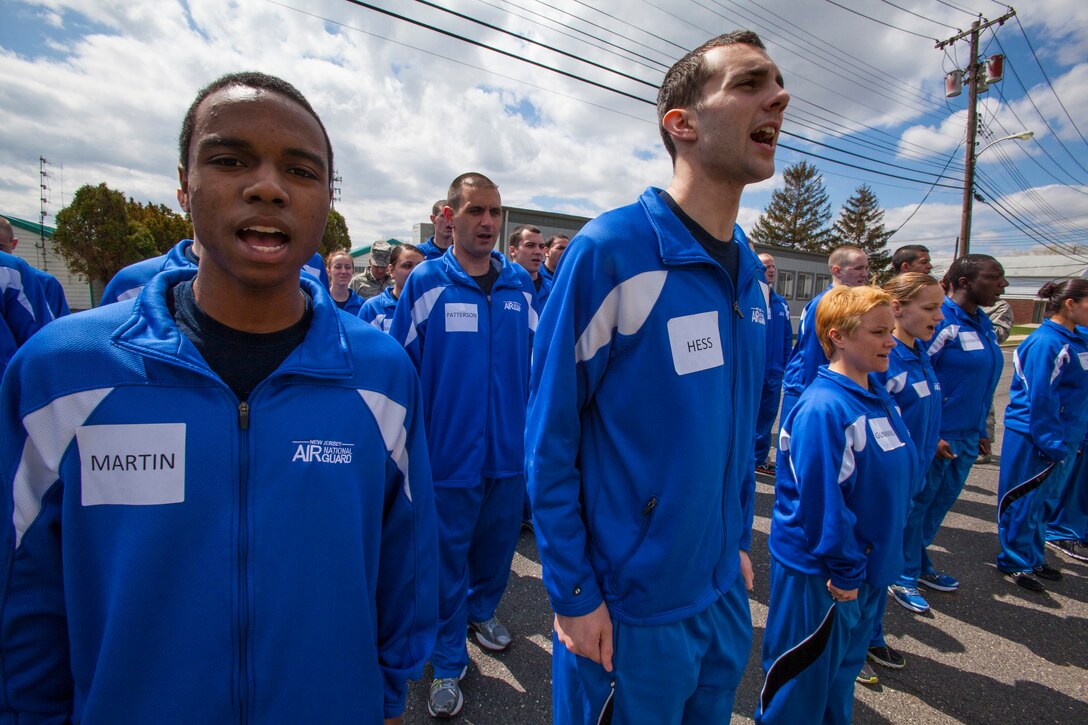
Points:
(971, 78)
(42, 162)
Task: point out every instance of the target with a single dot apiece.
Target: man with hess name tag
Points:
(218, 502)
(656, 331)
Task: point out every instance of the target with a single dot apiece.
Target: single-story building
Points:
(35, 247)
(1026, 273)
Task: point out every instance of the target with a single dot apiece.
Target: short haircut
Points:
(1057, 292)
(761, 255)
(400, 250)
(471, 179)
(554, 238)
(336, 253)
(908, 285)
(907, 254)
(515, 236)
(683, 83)
(246, 79)
(7, 233)
(437, 207)
(969, 266)
(841, 255)
(842, 309)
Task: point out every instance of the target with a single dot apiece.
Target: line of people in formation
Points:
(227, 500)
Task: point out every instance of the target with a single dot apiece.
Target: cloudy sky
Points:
(98, 87)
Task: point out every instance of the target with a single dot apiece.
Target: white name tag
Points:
(884, 434)
(462, 317)
(696, 344)
(1083, 357)
(969, 341)
(132, 465)
(922, 388)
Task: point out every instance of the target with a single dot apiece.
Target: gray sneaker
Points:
(445, 700)
(492, 634)
(867, 676)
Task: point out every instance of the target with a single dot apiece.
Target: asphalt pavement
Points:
(988, 653)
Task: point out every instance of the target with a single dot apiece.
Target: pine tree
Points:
(861, 223)
(798, 214)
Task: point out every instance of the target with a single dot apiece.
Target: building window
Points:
(784, 282)
(804, 286)
(822, 281)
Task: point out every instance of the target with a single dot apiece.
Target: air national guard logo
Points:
(319, 451)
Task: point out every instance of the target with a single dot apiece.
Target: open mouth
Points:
(261, 238)
(764, 136)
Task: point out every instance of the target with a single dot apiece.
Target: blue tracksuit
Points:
(967, 361)
(805, 359)
(54, 294)
(430, 250)
(914, 387)
(645, 332)
(472, 353)
(779, 342)
(545, 291)
(127, 283)
(24, 308)
(173, 556)
(352, 304)
(846, 467)
(1045, 423)
(378, 311)
(1067, 517)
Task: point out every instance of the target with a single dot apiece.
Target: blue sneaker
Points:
(908, 598)
(940, 582)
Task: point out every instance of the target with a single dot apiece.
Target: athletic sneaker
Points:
(766, 468)
(1026, 579)
(887, 657)
(908, 598)
(867, 676)
(1048, 572)
(941, 582)
(492, 634)
(445, 700)
(1071, 548)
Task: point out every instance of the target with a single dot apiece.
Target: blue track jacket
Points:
(647, 373)
(127, 283)
(353, 304)
(472, 353)
(24, 308)
(807, 355)
(430, 250)
(914, 387)
(967, 360)
(378, 311)
(845, 475)
(173, 556)
(1048, 390)
(779, 337)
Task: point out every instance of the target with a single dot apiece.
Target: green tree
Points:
(798, 214)
(861, 223)
(95, 236)
(166, 227)
(336, 234)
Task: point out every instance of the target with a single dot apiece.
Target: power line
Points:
(923, 17)
(1047, 78)
(928, 192)
(956, 7)
(881, 22)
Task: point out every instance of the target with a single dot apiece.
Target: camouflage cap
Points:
(379, 254)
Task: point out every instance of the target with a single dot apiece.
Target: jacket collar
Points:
(508, 276)
(151, 330)
(178, 257)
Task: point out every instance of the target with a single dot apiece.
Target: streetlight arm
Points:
(1023, 136)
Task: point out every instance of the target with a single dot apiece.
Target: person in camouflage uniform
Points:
(375, 278)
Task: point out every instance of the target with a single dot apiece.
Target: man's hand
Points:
(746, 570)
(984, 446)
(841, 595)
(588, 636)
(944, 450)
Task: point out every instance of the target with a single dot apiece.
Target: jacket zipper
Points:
(243, 562)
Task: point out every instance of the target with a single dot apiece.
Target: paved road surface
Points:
(989, 653)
